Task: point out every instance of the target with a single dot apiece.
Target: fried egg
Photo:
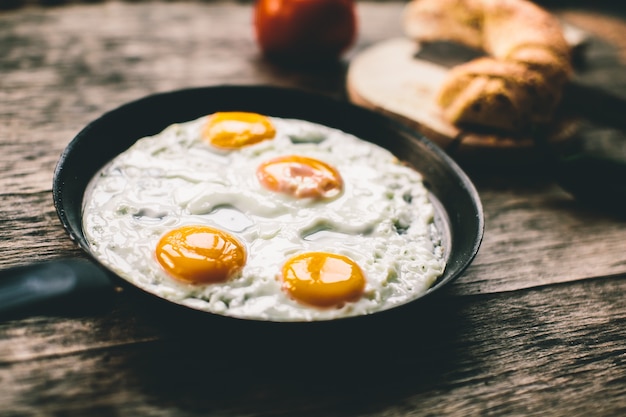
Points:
(265, 218)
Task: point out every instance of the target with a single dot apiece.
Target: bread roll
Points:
(520, 83)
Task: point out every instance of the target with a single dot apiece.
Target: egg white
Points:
(383, 219)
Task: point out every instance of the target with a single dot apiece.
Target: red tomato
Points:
(305, 29)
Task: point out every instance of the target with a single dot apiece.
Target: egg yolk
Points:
(300, 177)
(323, 279)
(234, 130)
(200, 254)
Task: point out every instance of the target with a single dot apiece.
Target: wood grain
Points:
(549, 356)
(534, 327)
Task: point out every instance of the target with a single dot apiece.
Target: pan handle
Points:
(63, 286)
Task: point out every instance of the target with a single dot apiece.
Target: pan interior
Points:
(458, 209)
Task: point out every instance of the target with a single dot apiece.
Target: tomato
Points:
(309, 30)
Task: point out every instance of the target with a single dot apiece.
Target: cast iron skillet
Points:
(459, 210)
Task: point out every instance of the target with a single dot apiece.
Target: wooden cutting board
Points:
(400, 78)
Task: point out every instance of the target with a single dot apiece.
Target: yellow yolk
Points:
(200, 254)
(323, 279)
(234, 130)
(300, 177)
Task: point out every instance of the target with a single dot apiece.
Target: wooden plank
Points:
(537, 352)
(537, 234)
(486, 346)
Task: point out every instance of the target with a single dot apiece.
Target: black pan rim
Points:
(62, 178)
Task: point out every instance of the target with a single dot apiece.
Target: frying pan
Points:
(458, 208)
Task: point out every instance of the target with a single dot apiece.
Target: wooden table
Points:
(536, 325)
